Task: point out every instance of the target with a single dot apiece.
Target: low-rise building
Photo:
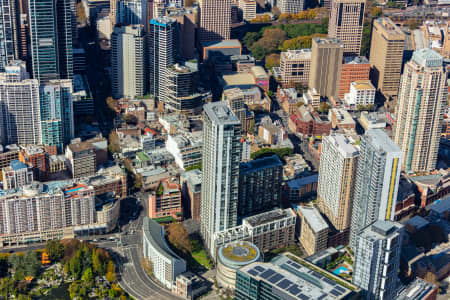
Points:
(165, 202)
(372, 120)
(289, 100)
(82, 160)
(314, 230)
(166, 265)
(309, 123)
(186, 148)
(268, 231)
(231, 257)
(221, 48)
(38, 158)
(341, 118)
(312, 97)
(362, 94)
(190, 286)
(7, 155)
(260, 77)
(296, 166)
(271, 133)
(290, 277)
(418, 289)
(354, 68)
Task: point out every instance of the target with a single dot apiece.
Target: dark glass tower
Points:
(51, 39)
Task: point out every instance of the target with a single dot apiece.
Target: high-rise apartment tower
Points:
(215, 20)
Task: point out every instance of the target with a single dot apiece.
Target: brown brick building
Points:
(353, 68)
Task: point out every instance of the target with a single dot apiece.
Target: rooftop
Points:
(416, 290)
(343, 145)
(328, 41)
(363, 85)
(238, 253)
(300, 182)
(427, 58)
(381, 230)
(297, 54)
(313, 218)
(389, 26)
(260, 164)
(17, 165)
(222, 44)
(381, 140)
(268, 217)
(296, 279)
(355, 60)
(220, 113)
(155, 234)
(163, 21)
(193, 177)
(259, 71)
(441, 206)
(238, 79)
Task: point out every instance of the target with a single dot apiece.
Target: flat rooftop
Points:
(294, 280)
(270, 216)
(220, 113)
(297, 54)
(313, 218)
(363, 85)
(260, 164)
(343, 145)
(222, 44)
(381, 140)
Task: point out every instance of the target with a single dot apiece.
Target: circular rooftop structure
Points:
(233, 256)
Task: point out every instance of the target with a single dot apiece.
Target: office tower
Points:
(260, 185)
(57, 123)
(386, 55)
(248, 8)
(377, 178)
(354, 68)
(377, 260)
(295, 66)
(128, 61)
(215, 20)
(346, 24)
(113, 12)
(163, 49)
(51, 24)
(220, 171)
(8, 34)
(187, 21)
(131, 12)
(326, 63)
(20, 118)
(180, 92)
(338, 161)
(422, 99)
(290, 6)
(23, 30)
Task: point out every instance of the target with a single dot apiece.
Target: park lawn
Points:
(199, 254)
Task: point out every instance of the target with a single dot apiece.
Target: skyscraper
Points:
(215, 20)
(20, 120)
(386, 54)
(8, 37)
(220, 171)
(346, 24)
(163, 48)
(290, 6)
(51, 39)
(377, 260)
(326, 63)
(377, 178)
(128, 61)
(57, 113)
(338, 161)
(131, 12)
(420, 111)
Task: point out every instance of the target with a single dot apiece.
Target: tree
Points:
(111, 103)
(26, 264)
(377, 12)
(250, 38)
(4, 265)
(130, 119)
(55, 250)
(81, 14)
(96, 263)
(179, 237)
(113, 142)
(194, 167)
(110, 272)
(272, 60)
(87, 275)
(75, 266)
(147, 266)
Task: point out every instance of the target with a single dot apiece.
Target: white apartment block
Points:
(220, 171)
(128, 61)
(338, 161)
(362, 92)
(290, 6)
(295, 66)
(20, 117)
(186, 148)
(166, 265)
(420, 110)
(377, 260)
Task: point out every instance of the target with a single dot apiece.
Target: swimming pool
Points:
(340, 270)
